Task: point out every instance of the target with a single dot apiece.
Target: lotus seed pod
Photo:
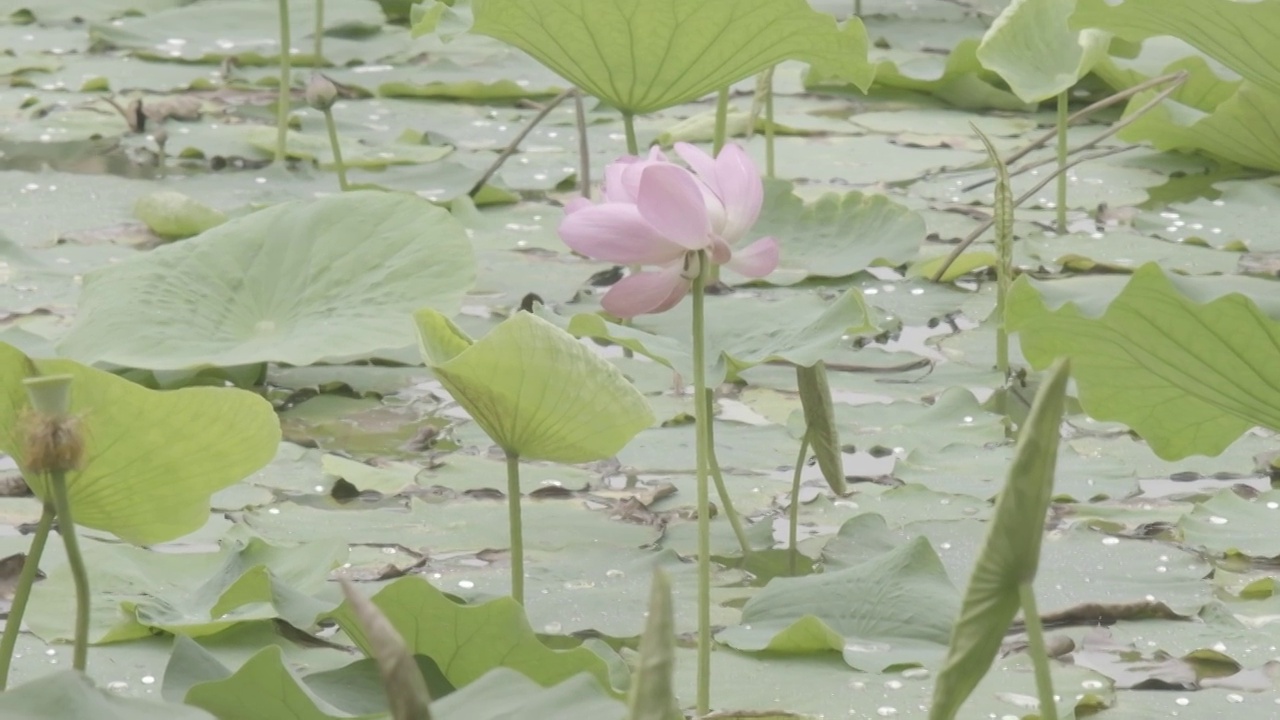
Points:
(321, 92)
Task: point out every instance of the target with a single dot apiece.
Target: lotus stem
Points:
(75, 561)
(1063, 106)
(704, 504)
(629, 126)
(584, 153)
(516, 525)
(284, 99)
(722, 121)
(22, 594)
(735, 520)
(857, 7)
(793, 521)
(341, 167)
(768, 124)
(319, 39)
(1039, 655)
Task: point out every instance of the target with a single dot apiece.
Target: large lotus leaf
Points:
(1189, 378)
(893, 609)
(645, 55)
(1032, 47)
(151, 458)
(836, 235)
(467, 641)
(1011, 554)
(1240, 35)
(294, 283)
(1244, 128)
(536, 391)
(69, 695)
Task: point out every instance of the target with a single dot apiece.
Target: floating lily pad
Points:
(295, 283)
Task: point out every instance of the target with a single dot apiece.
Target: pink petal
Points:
(647, 292)
(757, 259)
(670, 200)
(703, 164)
(622, 176)
(720, 251)
(740, 189)
(577, 204)
(615, 232)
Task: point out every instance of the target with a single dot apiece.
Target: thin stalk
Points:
(515, 524)
(75, 562)
(768, 125)
(793, 521)
(285, 97)
(857, 7)
(1039, 656)
(21, 594)
(1062, 162)
(735, 520)
(704, 503)
(319, 51)
(507, 151)
(584, 154)
(332, 127)
(629, 126)
(722, 120)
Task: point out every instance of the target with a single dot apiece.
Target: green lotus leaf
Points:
(1011, 554)
(151, 459)
(652, 695)
(294, 283)
(537, 391)
(1189, 378)
(1032, 46)
(646, 55)
(171, 214)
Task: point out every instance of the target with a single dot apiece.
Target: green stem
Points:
(704, 503)
(1062, 162)
(337, 151)
(768, 125)
(21, 594)
(857, 7)
(629, 126)
(75, 562)
(515, 524)
(285, 98)
(722, 120)
(319, 51)
(1039, 656)
(735, 520)
(793, 522)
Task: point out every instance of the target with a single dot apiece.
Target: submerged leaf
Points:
(264, 688)
(535, 390)
(1188, 378)
(151, 459)
(646, 55)
(1011, 554)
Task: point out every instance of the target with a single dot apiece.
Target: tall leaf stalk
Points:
(1061, 205)
(284, 98)
(22, 593)
(703, 421)
(515, 523)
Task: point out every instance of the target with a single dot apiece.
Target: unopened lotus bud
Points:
(52, 439)
(321, 92)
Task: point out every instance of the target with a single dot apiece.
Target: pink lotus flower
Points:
(658, 213)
